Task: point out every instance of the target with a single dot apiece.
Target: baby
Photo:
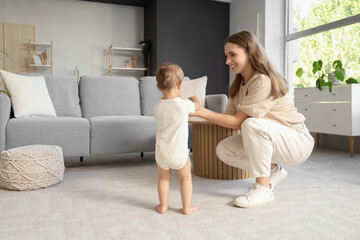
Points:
(171, 151)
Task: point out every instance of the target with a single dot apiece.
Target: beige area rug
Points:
(114, 198)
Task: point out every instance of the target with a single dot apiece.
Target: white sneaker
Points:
(257, 196)
(277, 176)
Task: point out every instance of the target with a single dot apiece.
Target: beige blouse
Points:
(256, 100)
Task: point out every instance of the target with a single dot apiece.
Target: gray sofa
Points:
(98, 116)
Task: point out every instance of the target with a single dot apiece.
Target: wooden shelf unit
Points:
(32, 46)
(126, 51)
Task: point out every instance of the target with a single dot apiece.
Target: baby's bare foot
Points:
(161, 209)
(190, 210)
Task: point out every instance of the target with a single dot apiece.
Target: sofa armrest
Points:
(216, 102)
(5, 110)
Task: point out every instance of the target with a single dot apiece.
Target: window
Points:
(324, 30)
(306, 14)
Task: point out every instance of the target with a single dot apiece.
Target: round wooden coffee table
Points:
(206, 136)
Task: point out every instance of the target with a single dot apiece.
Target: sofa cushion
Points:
(122, 134)
(72, 134)
(149, 94)
(64, 93)
(109, 96)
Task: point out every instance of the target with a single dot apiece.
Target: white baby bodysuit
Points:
(171, 115)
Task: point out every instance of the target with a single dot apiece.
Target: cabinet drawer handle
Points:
(306, 95)
(334, 125)
(334, 110)
(334, 94)
(305, 109)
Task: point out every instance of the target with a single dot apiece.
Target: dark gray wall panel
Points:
(191, 33)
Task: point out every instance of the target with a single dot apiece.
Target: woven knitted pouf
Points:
(31, 167)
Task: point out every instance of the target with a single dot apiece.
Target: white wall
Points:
(80, 31)
(247, 15)
(243, 16)
(275, 33)
(267, 20)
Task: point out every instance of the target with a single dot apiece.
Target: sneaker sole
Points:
(255, 205)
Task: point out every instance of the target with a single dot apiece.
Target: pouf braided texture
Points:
(31, 167)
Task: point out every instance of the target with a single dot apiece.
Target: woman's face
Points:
(236, 57)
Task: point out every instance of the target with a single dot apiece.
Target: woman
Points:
(272, 131)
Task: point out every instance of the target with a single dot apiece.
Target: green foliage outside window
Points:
(341, 43)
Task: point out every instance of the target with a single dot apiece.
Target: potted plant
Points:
(332, 74)
(145, 50)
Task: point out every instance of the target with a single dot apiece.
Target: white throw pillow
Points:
(195, 87)
(29, 95)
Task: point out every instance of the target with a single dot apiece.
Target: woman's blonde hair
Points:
(169, 75)
(259, 63)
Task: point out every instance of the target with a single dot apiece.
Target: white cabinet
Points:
(335, 113)
(125, 54)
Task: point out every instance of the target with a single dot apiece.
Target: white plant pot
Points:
(333, 79)
(336, 82)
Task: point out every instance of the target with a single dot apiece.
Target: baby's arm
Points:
(196, 101)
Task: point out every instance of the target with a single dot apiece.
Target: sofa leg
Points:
(142, 154)
(81, 159)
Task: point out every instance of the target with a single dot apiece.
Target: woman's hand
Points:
(224, 120)
(199, 113)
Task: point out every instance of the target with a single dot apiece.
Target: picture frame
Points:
(37, 59)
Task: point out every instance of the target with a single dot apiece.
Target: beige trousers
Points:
(263, 142)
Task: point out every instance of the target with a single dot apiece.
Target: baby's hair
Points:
(169, 75)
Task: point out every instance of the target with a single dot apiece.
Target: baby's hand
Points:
(196, 101)
(193, 98)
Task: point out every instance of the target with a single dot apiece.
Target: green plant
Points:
(145, 50)
(4, 92)
(6, 55)
(322, 73)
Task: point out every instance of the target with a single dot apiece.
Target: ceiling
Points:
(138, 3)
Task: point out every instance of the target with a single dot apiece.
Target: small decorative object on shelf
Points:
(37, 59)
(134, 61)
(44, 57)
(127, 64)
